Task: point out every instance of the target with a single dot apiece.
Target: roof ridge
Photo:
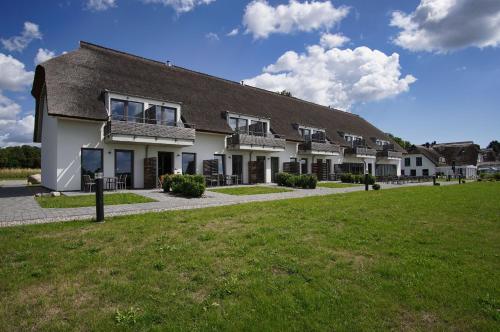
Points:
(85, 44)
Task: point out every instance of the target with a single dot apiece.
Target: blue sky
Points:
(445, 88)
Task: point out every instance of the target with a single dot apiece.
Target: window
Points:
(306, 133)
(318, 136)
(425, 172)
(123, 110)
(238, 125)
(161, 115)
(402, 172)
(303, 166)
(413, 172)
(221, 163)
(258, 128)
(91, 163)
(188, 163)
(419, 161)
(293, 160)
(407, 161)
(238, 166)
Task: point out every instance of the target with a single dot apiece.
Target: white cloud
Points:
(180, 6)
(262, 19)
(14, 130)
(43, 55)
(30, 32)
(329, 40)
(446, 25)
(212, 36)
(100, 5)
(336, 77)
(13, 75)
(233, 32)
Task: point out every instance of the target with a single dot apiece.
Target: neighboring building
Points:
(489, 161)
(99, 109)
(456, 158)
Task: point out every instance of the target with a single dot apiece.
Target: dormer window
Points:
(161, 115)
(244, 124)
(125, 110)
(312, 134)
(238, 125)
(257, 128)
(353, 140)
(380, 142)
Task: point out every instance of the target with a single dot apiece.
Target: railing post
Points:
(99, 197)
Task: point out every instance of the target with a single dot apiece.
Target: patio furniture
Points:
(210, 180)
(121, 183)
(111, 182)
(88, 183)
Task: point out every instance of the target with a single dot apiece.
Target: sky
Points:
(423, 70)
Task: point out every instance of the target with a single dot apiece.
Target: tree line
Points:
(25, 156)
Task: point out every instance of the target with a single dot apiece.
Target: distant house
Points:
(456, 158)
(489, 161)
(99, 109)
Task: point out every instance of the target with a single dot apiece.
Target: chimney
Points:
(169, 64)
(242, 82)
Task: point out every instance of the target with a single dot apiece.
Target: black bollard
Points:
(460, 179)
(99, 198)
(366, 181)
(434, 180)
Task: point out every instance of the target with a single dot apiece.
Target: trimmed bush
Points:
(376, 186)
(305, 181)
(437, 184)
(185, 185)
(346, 178)
(497, 176)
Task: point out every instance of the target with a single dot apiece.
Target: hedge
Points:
(355, 178)
(185, 185)
(304, 181)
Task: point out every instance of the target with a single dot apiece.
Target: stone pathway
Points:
(18, 206)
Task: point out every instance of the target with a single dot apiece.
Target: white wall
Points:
(426, 164)
(387, 161)
(49, 149)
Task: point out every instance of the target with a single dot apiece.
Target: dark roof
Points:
(75, 83)
(462, 153)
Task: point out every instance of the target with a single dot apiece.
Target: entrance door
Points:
(261, 169)
(370, 168)
(124, 165)
(275, 168)
(237, 162)
(165, 163)
(91, 163)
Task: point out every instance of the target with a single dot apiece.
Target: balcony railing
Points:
(389, 154)
(319, 146)
(256, 139)
(131, 126)
(365, 151)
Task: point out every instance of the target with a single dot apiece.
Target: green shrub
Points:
(371, 179)
(376, 186)
(437, 184)
(346, 178)
(167, 182)
(497, 176)
(187, 185)
(282, 179)
(305, 181)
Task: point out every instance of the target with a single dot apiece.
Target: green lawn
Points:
(253, 190)
(337, 185)
(89, 200)
(419, 258)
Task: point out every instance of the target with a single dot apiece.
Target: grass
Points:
(252, 190)
(89, 200)
(419, 258)
(17, 173)
(337, 185)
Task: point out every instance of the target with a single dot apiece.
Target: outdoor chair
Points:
(88, 183)
(121, 183)
(211, 180)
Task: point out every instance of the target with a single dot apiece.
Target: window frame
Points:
(407, 161)
(418, 161)
(182, 162)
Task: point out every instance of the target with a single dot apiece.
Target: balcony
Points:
(322, 147)
(149, 132)
(389, 154)
(256, 141)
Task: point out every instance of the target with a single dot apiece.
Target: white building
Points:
(456, 158)
(99, 109)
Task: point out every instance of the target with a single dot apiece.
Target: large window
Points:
(258, 128)
(419, 161)
(303, 166)
(407, 161)
(306, 133)
(238, 166)
(124, 110)
(221, 163)
(91, 162)
(124, 166)
(161, 115)
(425, 172)
(238, 125)
(188, 163)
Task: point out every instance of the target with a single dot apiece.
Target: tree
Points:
(495, 145)
(25, 156)
(286, 93)
(404, 144)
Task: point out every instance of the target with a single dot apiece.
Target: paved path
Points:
(18, 207)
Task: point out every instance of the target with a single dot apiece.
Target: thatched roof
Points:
(462, 153)
(76, 81)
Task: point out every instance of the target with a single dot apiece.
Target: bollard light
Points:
(366, 182)
(99, 197)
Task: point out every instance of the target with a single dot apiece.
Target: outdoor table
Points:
(110, 182)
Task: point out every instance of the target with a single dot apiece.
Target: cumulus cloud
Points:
(329, 40)
(180, 6)
(43, 55)
(13, 75)
(233, 32)
(14, 130)
(446, 25)
(261, 19)
(100, 5)
(30, 32)
(336, 77)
